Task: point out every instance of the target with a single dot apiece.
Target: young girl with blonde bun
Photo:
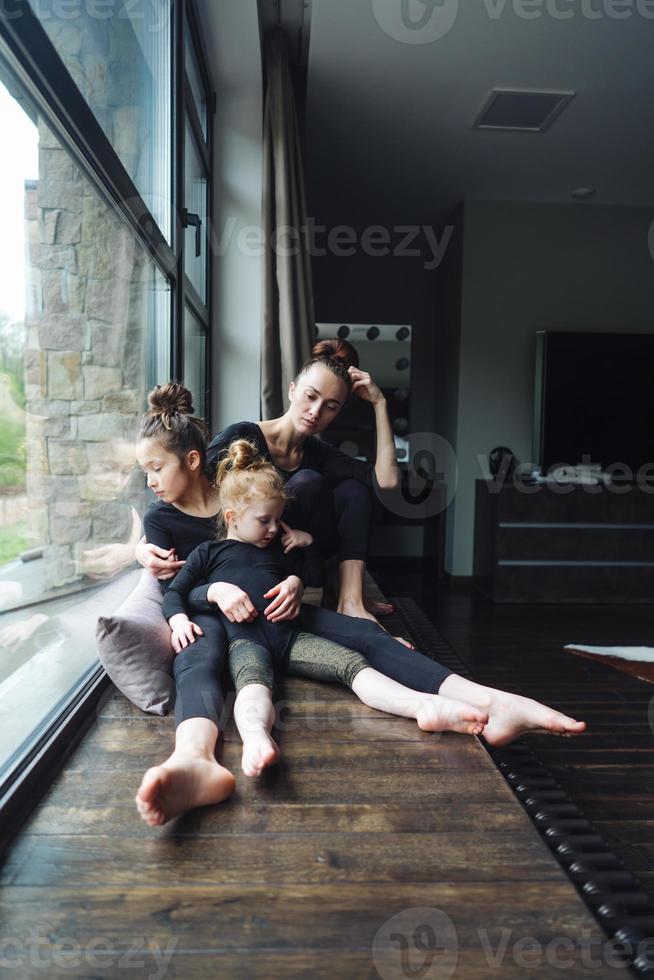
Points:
(171, 449)
(252, 500)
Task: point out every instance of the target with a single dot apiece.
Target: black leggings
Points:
(337, 515)
(198, 668)
(381, 650)
(197, 671)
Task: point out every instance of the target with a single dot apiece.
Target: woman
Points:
(332, 491)
(171, 451)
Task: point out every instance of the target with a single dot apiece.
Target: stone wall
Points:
(86, 320)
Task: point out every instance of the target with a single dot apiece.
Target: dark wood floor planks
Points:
(365, 819)
(608, 771)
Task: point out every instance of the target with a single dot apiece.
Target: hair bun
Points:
(170, 399)
(337, 349)
(242, 454)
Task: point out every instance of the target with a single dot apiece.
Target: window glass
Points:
(195, 351)
(84, 317)
(195, 79)
(119, 57)
(195, 189)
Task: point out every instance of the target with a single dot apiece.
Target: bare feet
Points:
(360, 611)
(186, 780)
(511, 715)
(379, 608)
(259, 752)
(438, 714)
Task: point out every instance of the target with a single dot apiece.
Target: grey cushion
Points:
(135, 649)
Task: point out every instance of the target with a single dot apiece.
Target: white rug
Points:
(637, 661)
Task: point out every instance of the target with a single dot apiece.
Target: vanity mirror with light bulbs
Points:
(385, 353)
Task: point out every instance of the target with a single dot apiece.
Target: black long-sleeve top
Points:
(255, 570)
(316, 455)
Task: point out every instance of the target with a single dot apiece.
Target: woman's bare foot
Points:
(438, 714)
(358, 610)
(259, 752)
(379, 608)
(185, 780)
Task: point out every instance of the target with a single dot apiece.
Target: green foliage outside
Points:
(12, 406)
(13, 540)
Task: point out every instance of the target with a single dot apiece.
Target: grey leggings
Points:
(309, 656)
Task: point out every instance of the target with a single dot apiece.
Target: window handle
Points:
(190, 218)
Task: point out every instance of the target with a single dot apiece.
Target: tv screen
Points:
(594, 399)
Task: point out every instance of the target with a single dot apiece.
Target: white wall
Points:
(529, 267)
(233, 47)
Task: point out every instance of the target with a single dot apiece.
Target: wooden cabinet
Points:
(564, 544)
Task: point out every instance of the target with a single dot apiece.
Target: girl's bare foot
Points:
(259, 752)
(511, 715)
(186, 780)
(439, 714)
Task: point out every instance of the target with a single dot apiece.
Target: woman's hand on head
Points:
(183, 631)
(292, 538)
(233, 602)
(287, 597)
(364, 386)
(163, 563)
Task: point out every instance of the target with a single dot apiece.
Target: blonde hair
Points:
(244, 476)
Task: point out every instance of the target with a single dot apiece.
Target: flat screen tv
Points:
(594, 399)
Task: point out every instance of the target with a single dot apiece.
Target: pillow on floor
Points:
(135, 649)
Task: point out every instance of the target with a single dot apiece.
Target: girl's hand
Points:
(287, 599)
(232, 601)
(161, 562)
(294, 539)
(183, 631)
(364, 386)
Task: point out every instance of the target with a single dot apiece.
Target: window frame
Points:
(39, 68)
(185, 13)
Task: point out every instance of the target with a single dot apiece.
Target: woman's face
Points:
(167, 475)
(316, 399)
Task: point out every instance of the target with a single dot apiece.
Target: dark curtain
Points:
(288, 316)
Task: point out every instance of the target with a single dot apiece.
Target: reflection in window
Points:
(77, 315)
(119, 58)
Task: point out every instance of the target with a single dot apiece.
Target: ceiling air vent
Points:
(527, 111)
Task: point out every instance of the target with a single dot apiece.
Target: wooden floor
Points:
(370, 842)
(609, 771)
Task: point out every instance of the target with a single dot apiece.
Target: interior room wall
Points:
(231, 31)
(384, 289)
(529, 267)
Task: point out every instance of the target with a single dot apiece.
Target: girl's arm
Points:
(183, 631)
(386, 468)
(155, 550)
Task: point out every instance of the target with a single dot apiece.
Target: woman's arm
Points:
(386, 468)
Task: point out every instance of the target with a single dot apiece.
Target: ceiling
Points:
(389, 134)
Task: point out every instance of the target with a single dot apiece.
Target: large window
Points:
(119, 57)
(104, 295)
